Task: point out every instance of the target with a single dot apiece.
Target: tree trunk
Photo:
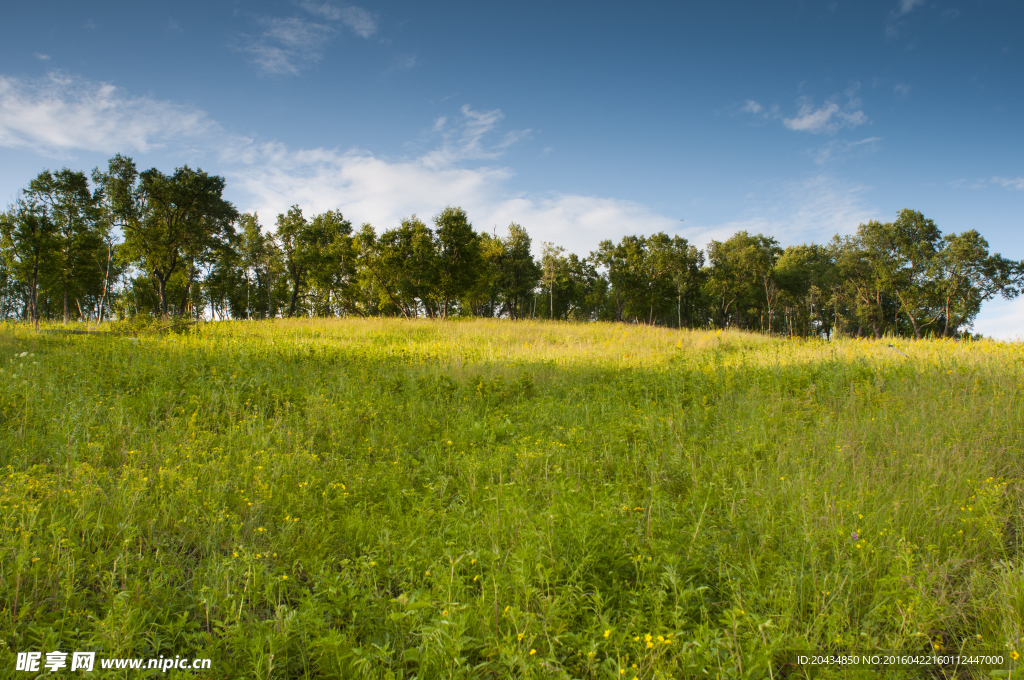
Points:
(295, 297)
(161, 285)
(103, 298)
(183, 307)
(33, 296)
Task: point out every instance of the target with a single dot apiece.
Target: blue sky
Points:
(578, 120)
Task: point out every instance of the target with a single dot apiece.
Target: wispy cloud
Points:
(466, 139)
(42, 57)
(901, 89)
(403, 62)
(360, 21)
(1015, 183)
(750, 106)
(288, 45)
(898, 17)
(828, 118)
(837, 149)
(60, 113)
(1009, 182)
(814, 208)
(907, 6)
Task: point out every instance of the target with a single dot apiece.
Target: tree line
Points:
(121, 243)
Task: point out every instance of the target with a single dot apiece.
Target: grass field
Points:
(485, 499)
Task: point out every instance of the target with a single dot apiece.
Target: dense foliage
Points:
(169, 245)
(385, 498)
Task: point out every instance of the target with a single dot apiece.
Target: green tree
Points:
(807, 278)
(740, 278)
(623, 262)
(517, 273)
(29, 239)
(78, 229)
(402, 267)
(965, 276)
(168, 221)
(900, 258)
(552, 267)
(253, 260)
(300, 249)
(684, 266)
(458, 256)
(333, 273)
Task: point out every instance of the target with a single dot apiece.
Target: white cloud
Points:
(906, 6)
(839, 149)
(812, 209)
(465, 141)
(1016, 183)
(371, 189)
(1001, 319)
(828, 118)
(59, 113)
(901, 89)
(751, 107)
(42, 57)
(367, 188)
(62, 114)
(403, 62)
(297, 34)
(360, 21)
(1009, 182)
(287, 45)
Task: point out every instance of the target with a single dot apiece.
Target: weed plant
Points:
(484, 499)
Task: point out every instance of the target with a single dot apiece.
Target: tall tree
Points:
(402, 266)
(740, 277)
(78, 228)
(965, 276)
(517, 273)
(806, 276)
(458, 256)
(334, 274)
(261, 266)
(900, 257)
(684, 268)
(553, 264)
(168, 220)
(623, 262)
(299, 248)
(29, 239)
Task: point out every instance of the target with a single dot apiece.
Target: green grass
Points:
(390, 499)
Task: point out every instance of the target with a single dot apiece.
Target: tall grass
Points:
(394, 499)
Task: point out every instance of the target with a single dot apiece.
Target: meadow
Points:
(491, 499)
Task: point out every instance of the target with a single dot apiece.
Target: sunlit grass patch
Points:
(493, 499)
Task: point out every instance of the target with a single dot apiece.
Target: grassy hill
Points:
(485, 499)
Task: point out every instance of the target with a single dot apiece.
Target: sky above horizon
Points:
(579, 121)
